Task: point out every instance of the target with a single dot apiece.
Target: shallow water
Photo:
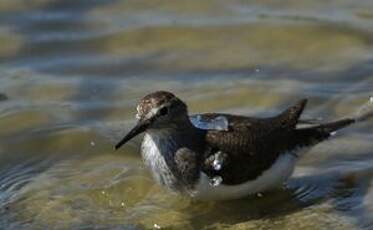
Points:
(73, 71)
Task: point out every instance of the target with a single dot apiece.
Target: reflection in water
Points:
(3, 97)
(72, 72)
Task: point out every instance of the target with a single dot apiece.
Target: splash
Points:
(365, 111)
(217, 164)
(216, 181)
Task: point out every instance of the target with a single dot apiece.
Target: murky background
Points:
(71, 73)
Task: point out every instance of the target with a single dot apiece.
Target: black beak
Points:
(140, 127)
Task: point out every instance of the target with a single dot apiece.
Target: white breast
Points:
(274, 176)
(151, 152)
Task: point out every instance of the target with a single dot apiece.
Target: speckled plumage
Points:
(255, 153)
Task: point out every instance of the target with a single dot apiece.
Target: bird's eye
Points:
(163, 111)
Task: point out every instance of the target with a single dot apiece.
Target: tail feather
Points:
(291, 115)
(312, 135)
(335, 125)
(315, 133)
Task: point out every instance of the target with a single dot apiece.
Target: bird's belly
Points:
(278, 173)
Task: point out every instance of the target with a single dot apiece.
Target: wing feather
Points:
(251, 145)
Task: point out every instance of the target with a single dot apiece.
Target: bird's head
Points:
(158, 110)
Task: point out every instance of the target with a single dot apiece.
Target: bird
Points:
(218, 156)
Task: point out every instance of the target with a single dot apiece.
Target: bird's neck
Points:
(168, 140)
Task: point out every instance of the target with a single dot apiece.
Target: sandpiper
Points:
(222, 156)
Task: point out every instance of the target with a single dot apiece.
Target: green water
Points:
(71, 73)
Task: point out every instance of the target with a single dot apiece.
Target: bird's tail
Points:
(315, 133)
(333, 126)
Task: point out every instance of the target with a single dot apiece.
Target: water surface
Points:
(73, 71)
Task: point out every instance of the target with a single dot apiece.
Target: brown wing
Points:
(251, 145)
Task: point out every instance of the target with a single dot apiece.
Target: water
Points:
(73, 71)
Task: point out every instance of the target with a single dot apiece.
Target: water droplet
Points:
(217, 165)
(216, 181)
(156, 226)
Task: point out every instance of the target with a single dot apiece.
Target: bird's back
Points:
(250, 145)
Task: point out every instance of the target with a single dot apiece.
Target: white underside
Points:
(280, 171)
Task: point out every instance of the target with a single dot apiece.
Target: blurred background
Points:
(71, 73)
